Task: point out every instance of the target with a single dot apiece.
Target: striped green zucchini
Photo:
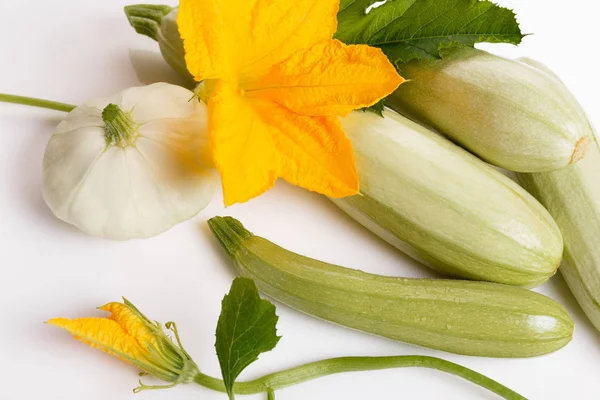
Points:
(508, 112)
(445, 207)
(572, 195)
(464, 317)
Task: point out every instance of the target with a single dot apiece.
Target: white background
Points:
(72, 50)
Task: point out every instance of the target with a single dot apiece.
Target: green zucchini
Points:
(463, 317)
(507, 112)
(572, 195)
(445, 207)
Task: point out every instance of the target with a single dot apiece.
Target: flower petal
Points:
(221, 36)
(208, 29)
(242, 146)
(330, 78)
(281, 28)
(104, 334)
(131, 323)
(314, 152)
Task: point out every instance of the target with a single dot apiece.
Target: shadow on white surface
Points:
(150, 67)
(27, 181)
(224, 262)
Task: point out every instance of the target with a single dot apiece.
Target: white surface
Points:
(73, 50)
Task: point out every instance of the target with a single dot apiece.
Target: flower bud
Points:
(132, 337)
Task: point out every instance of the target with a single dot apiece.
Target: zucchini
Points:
(445, 207)
(572, 195)
(463, 317)
(508, 112)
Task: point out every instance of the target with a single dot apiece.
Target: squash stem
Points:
(230, 232)
(35, 102)
(146, 18)
(119, 127)
(270, 383)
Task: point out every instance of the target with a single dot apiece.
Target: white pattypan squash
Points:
(132, 165)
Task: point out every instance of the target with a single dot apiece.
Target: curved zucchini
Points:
(445, 207)
(572, 195)
(463, 317)
(510, 113)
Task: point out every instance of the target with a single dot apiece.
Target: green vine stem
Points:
(34, 102)
(279, 380)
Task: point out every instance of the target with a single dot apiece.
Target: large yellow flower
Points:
(276, 82)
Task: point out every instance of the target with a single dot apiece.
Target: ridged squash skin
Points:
(463, 317)
(572, 195)
(510, 113)
(446, 208)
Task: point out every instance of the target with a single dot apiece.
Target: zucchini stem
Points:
(230, 232)
(35, 102)
(279, 380)
(146, 18)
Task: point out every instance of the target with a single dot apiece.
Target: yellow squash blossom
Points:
(132, 337)
(276, 82)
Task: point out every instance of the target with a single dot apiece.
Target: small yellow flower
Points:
(276, 82)
(132, 337)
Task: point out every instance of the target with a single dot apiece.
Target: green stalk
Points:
(119, 127)
(146, 18)
(35, 102)
(279, 380)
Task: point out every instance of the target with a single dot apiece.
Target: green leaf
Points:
(376, 108)
(246, 328)
(420, 29)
